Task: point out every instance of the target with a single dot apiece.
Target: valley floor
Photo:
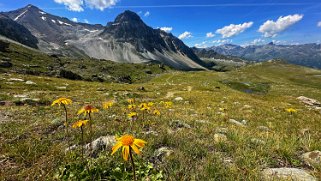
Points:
(222, 126)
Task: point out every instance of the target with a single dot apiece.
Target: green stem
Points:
(133, 164)
(82, 142)
(66, 123)
(91, 132)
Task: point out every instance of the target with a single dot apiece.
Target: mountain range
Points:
(128, 39)
(304, 54)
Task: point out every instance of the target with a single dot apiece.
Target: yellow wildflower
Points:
(168, 104)
(144, 107)
(79, 123)
(87, 110)
(131, 101)
(62, 100)
(108, 104)
(131, 106)
(156, 112)
(128, 142)
(132, 115)
(150, 104)
(291, 110)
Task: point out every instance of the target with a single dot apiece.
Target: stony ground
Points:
(222, 126)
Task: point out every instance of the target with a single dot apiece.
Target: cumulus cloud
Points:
(166, 29)
(74, 20)
(185, 35)
(257, 41)
(271, 28)
(72, 5)
(232, 29)
(201, 45)
(86, 21)
(147, 13)
(78, 5)
(319, 24)
(221, 42)
(210, 35)
(100, 4)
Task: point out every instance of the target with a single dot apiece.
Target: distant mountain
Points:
(211, 54)
(16, 32)
(305, 54)
(127, 39)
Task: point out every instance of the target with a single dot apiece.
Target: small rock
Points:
(263, 128)
(16, 79)
(202, 121)
(293, 174)
(244, 122)
(96, 146)
(222, 130)
(100, 144)
(29, 82)
(61, 87)
(20, 96)
(219, 138)
(233, 121)
(309, 101)
(179, 124)
(151, 133)
(162, 153)
(257, 141)
(247, 107)
(178, 99)
(312, 158)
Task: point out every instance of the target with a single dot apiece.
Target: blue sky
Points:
(202, 23)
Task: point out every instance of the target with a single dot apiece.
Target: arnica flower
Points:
(144, 107)
(79, 123)
(150, 104)
(291, 110)
(168, 104)
(62, 100)
(131, 101)
(132, 115)
(131, 106)
(87, 110)
(108, 104)
(128, 142)
(156, 112)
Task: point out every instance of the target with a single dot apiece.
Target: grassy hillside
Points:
(201, 141)
(30, 61)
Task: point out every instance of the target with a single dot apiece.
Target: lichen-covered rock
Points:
(293, 174)
(312, 158)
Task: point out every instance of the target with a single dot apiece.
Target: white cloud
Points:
(271, 28)
(101, 4)
(221, 42)
(257, 41)
(86, 21)
(139, 12)
(232, 29)
(166, 29)
(210, 35)
(319, 24)
(147, 13)
(185, 35)
(74, 20)
(72, 5)
(201, 45)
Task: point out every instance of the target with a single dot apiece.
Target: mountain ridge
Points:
(127, 39)
(303, 54)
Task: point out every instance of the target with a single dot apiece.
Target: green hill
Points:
(222, 125)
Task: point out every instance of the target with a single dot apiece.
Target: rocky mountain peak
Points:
(128, 17)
